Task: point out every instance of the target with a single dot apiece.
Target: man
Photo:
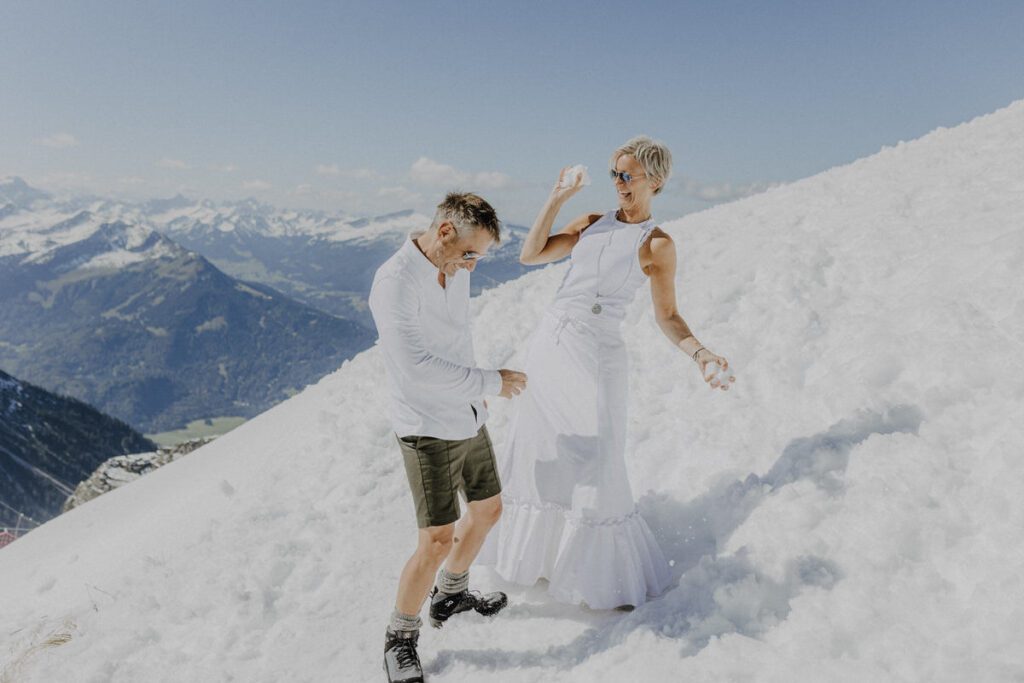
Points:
(420, 303)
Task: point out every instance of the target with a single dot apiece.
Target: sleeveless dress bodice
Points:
(604, 271)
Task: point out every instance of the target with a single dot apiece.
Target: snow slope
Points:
(851, 511)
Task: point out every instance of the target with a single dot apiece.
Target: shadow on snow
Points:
(711, 595)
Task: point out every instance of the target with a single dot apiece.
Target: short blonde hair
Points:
(652, 155)
(468, 211)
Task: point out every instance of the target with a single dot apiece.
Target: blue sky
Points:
(372, 107)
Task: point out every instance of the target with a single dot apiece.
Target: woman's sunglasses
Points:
(624, 176)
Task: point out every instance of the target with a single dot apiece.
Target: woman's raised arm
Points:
(540, 246)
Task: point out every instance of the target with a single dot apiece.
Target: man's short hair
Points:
(468, 211)
(654, 158)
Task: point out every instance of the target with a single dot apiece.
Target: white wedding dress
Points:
(569, 512)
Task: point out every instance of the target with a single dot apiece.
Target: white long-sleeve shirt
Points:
(435, 387)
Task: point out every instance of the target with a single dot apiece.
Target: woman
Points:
(569, 513)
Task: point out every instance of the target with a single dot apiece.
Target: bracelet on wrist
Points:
(682, 345)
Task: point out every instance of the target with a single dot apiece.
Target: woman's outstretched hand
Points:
(715, 370)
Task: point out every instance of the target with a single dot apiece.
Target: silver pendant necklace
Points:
(597, 308)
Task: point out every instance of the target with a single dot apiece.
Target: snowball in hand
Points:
(714, 371)
(579, 171)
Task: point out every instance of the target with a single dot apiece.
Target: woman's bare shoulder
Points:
(659, 249)
(659, 236)
(660, 242)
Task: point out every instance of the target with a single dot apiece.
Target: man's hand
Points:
(512, 383)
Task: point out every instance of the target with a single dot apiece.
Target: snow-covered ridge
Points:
(267, 221)
(39, 231)
(849, 512)
(42, 224)
(119, 244)
(16, 193)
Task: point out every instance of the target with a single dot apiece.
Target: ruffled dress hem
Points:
(604, 562)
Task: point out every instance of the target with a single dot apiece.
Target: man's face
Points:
(454, 248)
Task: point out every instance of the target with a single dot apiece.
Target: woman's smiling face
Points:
(634, 196)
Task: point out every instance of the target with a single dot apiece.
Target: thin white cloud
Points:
(224, 168)
(353, 173)
(328, 169)
(177, 164)
(59, 140)
(256, 185)
(429, 172)
(309, 192)
(491, 180)
(399, 194)
(717, 193)
(432, 173)
(362, 174)
(131, 180)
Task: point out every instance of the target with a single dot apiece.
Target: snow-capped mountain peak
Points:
(15, 191)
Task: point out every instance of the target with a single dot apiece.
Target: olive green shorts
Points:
(438, 468)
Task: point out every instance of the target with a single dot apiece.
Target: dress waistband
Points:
(595, 315)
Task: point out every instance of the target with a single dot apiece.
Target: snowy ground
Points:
(851, 511)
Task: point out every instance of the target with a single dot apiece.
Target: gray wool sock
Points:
(452, 583)
(405, 622)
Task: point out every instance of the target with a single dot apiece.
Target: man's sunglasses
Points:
(624, 176)
(472, 256)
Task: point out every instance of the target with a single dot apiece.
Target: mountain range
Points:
(99, 305)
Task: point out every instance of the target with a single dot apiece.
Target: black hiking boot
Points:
(444, 605)
(401, 662)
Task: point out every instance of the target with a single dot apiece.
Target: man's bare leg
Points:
(435, 543)
(470, 532)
